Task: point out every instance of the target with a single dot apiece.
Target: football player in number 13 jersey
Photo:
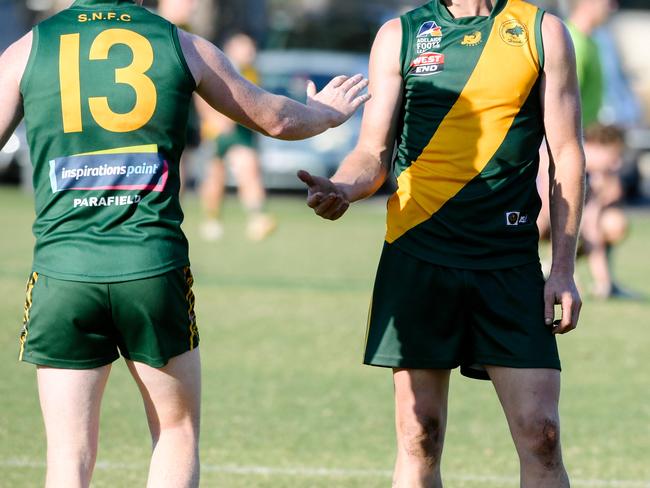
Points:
(104, 87)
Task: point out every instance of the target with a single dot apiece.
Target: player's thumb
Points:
(306, 178)
(311, 89)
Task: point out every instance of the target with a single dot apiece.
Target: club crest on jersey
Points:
(473, 39)
(428, 37)
(513, 33)
(428, 64)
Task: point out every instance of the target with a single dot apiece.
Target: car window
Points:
(293, 85)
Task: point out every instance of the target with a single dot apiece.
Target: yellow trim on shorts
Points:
(365, 342)
(189, 296)
(28, 306)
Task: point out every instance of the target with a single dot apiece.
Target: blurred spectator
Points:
(236, 146)
(585, 16)
(604, 224)
(179, 12)
(620, 104)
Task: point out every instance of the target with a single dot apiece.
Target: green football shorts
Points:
(77, 325)
(425, 316)
(239, 136)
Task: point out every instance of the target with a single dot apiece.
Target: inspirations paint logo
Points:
(126, 168)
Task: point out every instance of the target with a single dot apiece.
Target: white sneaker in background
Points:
(260, 227)
(211, 230)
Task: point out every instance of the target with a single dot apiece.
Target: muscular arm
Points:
(561, 105)
(219, 84)
(12, 66)
(364, 170)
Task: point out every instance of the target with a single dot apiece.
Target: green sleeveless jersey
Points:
(471, 128)
(106, 94)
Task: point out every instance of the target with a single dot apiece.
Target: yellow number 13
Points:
(132, 75)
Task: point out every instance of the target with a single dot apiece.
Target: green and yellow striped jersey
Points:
(468, 145)
(106, 95)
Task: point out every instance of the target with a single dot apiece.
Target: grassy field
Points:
(286, 402)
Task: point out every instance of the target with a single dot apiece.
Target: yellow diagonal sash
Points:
(474, 128)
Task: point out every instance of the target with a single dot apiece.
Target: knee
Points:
(184, 430)
(422, 436)
(541, 439)
(614, 225)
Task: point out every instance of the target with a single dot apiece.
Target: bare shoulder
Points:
(14, 59)
(390, 32)
(190, 44)
(386, 48)
(558, 47)
(201, 55)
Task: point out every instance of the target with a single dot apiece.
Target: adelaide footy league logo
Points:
(430, 29)
(428, 37)
(428, 64)
(513, 33)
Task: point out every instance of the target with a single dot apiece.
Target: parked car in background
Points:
(15, 165)
(630, 29)
(286, 72)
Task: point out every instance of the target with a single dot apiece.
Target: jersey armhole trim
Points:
(180, 56)
(27, 74)
(404, 48)
(539, 39)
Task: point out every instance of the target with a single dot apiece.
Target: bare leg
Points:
(246, 168)
(70, 402)
(172, 398)
(596, 248)
(530, 398)
(212, 192)
(420, 419)
(614, 225)
(212, 189)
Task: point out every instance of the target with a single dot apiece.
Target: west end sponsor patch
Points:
(127, 171)
(428, 64)
(428, 37)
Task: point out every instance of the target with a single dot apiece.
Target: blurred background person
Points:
(235, 145)
(604, 223)
(182, 13)
(585, 16)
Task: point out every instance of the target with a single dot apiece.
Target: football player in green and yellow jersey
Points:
(463, 93)
(104, 87)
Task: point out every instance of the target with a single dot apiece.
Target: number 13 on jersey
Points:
(132, 75)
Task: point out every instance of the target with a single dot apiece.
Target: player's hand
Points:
(326, 198)
(340, 98)
(561, 289)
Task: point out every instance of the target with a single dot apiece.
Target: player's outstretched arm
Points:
(364, 170)
(12, 66)
(219, 84)
(561, 103)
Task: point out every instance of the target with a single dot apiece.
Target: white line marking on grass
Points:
(331, 473)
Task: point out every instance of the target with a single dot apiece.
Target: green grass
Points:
(282, 325)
